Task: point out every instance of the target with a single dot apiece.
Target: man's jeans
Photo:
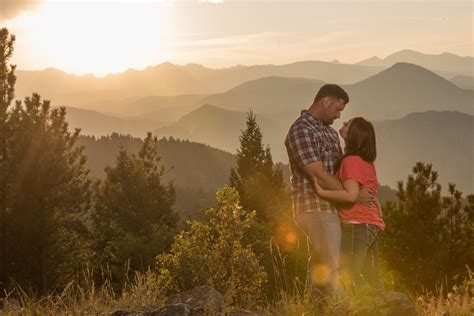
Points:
(360, 264)
(324, 233)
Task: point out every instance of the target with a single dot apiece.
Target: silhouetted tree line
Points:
(56, 219)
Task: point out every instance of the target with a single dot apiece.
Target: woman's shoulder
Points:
(356, 160)
(353, 158)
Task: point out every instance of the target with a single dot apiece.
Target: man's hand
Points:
(379, 206)
(366, 197)
(319, 189)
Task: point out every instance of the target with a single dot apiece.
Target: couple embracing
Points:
(333, 193)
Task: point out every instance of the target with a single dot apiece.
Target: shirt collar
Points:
(313, 120)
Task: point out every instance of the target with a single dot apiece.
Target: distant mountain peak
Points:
(209, 108)
(372, 61)
(52, 70)
(407, 69)
(408, 75)
(407, 66)
(404, 52)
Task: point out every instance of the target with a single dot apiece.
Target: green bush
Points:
(212, 252)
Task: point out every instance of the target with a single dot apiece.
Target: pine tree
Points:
(44, 188)
(457, 231)
(411, 242)
(48, 196)
(7, 88)
(258, 181)
(134, 218)
(261, 188)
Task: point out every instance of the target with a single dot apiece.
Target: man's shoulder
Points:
(303, 123)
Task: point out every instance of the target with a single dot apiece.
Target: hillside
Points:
(221, 128)
(95, 123)
(197, 170)
(464, 82)
(269, 95)
(444, 139)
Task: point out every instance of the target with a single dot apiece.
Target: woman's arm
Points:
(349, 194)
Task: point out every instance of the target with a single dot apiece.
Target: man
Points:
(314, 149)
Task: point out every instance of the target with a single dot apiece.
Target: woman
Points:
(360, 223)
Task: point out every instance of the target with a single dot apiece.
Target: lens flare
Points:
(321, 274)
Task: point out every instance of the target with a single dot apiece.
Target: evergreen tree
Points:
(7, 85)
(258, 181)
(457, 232)
(412, 239)
(134, 218)
(48, 197)
(44, 189)
(261, 188)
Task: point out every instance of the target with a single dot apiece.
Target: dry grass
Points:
(145, 293)
(458, 301)
(86, 298)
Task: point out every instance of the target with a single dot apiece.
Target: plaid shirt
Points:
(310, 140)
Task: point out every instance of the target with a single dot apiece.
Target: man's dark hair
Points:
(332, 90)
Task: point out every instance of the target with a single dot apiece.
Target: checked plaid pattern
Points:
(310, 140)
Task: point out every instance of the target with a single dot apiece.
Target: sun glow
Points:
(100, 37)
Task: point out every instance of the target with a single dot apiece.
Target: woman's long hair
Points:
(360, 141)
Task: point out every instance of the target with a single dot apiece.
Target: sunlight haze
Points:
(101, 37)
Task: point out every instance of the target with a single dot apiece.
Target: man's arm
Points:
(327, 181)
(347, 195)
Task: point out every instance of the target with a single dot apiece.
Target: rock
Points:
(168, 310)
(200, 301)
(127, 313)
(173, 310)
(203, 300)
(384, 304)
(241, 312)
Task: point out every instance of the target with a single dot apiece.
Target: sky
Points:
(101, 37)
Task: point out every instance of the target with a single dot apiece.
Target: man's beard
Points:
(329, 122)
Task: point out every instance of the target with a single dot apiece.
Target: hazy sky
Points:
(111, 36)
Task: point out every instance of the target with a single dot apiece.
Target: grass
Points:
(87, 298)
(145, 293)
(459, 300)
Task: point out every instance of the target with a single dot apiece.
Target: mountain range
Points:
(168, 79)
(390, 94)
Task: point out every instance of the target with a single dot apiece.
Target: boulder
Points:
(168, 310)
(241, 312)
(203, 300)
(173, 310)
(200, 301)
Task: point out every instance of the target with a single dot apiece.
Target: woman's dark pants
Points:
(360, 263)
